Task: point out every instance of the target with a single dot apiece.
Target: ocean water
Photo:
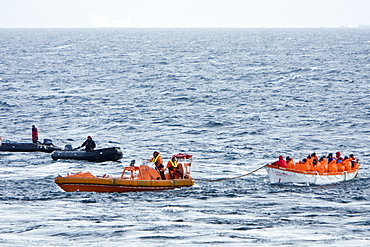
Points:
(234, 98)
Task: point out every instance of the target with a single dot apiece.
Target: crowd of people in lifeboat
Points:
(321, 165)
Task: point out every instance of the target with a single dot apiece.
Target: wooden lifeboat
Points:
(133, 178)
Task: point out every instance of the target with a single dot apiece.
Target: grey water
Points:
(235, 99)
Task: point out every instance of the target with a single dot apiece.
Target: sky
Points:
(183, 13)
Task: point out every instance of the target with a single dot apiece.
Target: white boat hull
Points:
(283, 175)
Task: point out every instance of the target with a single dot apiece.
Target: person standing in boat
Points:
(35, 134)
(158, 162)
(89, 144)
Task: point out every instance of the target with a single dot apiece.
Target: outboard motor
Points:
(68, 147)
(48, 142)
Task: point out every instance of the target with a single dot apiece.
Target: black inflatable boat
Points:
(47, 147)
(99, 155)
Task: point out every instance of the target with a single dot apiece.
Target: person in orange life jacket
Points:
(281, 162)
(35, 134)
(332, 164)
(309, 159)
(303, 166)
(317, 166)
(324, 163)
(173, 168)
(298, 165)
(347, 164)
(339, 159)
(158, 162)
(289, 162)
(314, 156)
(340, 166)
(89, 143)
(354, 162)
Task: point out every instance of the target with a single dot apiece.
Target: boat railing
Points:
(133, 171)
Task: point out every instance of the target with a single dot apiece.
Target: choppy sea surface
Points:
(236, 99)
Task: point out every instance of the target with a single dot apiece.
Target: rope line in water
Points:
(223, 179)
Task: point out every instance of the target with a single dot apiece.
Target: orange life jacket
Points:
(319, 168)
(290, 164)
(309, 161)
(332, 166)
(324, 164)
(303, 166)
(347, 164)
(340, 167)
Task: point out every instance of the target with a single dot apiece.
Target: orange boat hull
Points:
(110, 185)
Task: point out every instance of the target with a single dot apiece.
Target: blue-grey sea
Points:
(235, 99)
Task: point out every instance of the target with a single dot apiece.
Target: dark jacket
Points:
(90, 144)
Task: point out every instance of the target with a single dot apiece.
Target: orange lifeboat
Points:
(133, 178)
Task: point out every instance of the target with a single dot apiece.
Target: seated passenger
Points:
(317, 166)
(89, 144)
(340, 165)
(352, 157)
(314, 156)
(173, 168)
(289, 162)
(337, 156)
(354, 162)
(330, 158)
(347, 164)
(332, 166)
(281, 162)
(324, 163)
(309, 159)
(303, 166)
(355, 165)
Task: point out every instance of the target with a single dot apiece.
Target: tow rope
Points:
(223, 179)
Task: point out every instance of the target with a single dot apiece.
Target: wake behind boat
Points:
(133, 178)
(98, 155)
(47, 146)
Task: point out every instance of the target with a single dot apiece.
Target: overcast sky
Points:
(184, 13)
